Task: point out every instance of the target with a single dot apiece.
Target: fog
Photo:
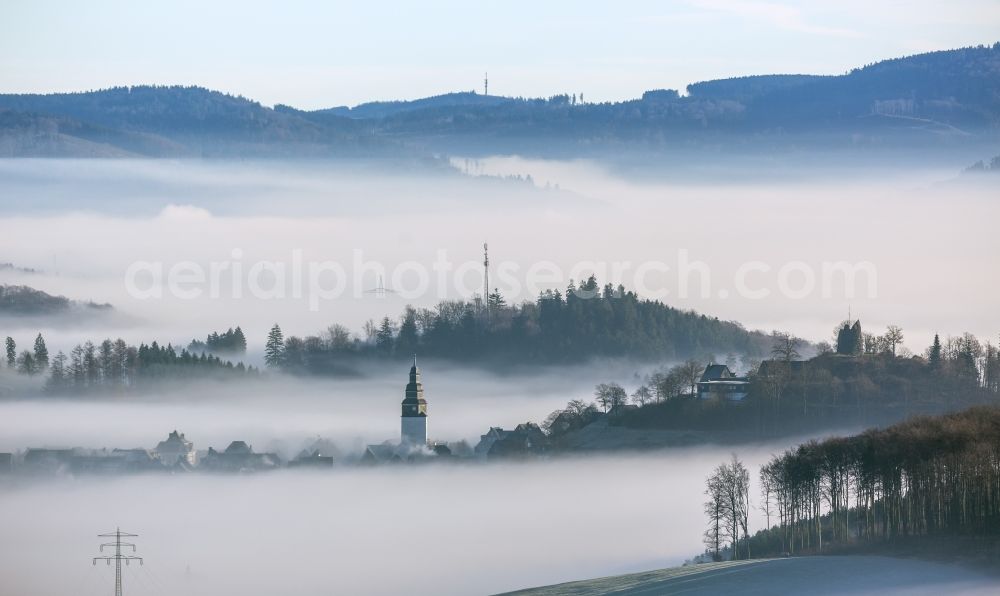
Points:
(285, 414)
(83, 223)
(432, 529)
(462, 529)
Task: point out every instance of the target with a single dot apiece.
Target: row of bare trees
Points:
(929, 476)
(728, 510)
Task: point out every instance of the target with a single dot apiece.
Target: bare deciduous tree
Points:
(642, 395)
(728, 508)
(893, 337)
(690, 373)
(610, 395)
(786, 346)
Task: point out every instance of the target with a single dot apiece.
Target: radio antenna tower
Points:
(118, 557)
(486, 279)
(486, 83)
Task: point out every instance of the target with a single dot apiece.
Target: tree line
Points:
(928, 477)
(585, 322)
(27, 362)
(115, 365)
(728, 510)
(231, 341)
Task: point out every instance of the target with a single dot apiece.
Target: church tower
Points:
(413, 430)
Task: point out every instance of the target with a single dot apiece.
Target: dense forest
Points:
(114, 367)
(928, 479)
(172, 121)
(947, 95)
(939, 92)
(231, 341)
(25, 301)
(586, 322)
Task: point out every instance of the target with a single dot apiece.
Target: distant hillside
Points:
(918, 101)
(25, 301)
(12, 268)
(747, 88)
(992, 166)
(170, 121)
(382, 109)
(955, 90)
(941, 95)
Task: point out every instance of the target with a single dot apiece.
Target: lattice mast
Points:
(486, 279)
(118, 557)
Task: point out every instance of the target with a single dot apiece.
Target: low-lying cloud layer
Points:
(462, 529)
(84, 225)
(286, 414)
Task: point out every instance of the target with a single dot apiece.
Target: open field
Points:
(799, 575)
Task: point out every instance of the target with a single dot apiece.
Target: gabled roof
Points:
(716, 372)
(239, 447)
(175, 441)
(380, 453)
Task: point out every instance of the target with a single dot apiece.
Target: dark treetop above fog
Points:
(22, 301)
(951, 96)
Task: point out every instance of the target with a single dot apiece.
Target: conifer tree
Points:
(274, 349)
(11, 352)
(934, 354)
(383, 337)
(496, 301)
(41, 353)
(26, 363)
(57, 373)
(239, 341)
(406, 342)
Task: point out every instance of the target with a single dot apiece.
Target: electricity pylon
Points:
(118, 557)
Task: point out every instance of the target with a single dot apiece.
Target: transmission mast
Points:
(486, 279)
(486, 83)
(118, 557)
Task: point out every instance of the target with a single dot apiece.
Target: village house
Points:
(239, 457)
(381, 454)
(313, 459)
(526, 439)
(116, 461)
(718, 382)
(176, 449)
(48, 460)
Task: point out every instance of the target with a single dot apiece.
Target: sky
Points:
(322, 54)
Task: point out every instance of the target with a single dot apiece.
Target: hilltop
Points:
(948, 97)
(26, 301)
(172, 121)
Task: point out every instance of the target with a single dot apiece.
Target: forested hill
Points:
(586, 322)
(172, 121)
(382, 109)
(25, 301)
(924, 100)
(948, 96)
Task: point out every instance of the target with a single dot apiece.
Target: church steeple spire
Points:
(414, 409)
